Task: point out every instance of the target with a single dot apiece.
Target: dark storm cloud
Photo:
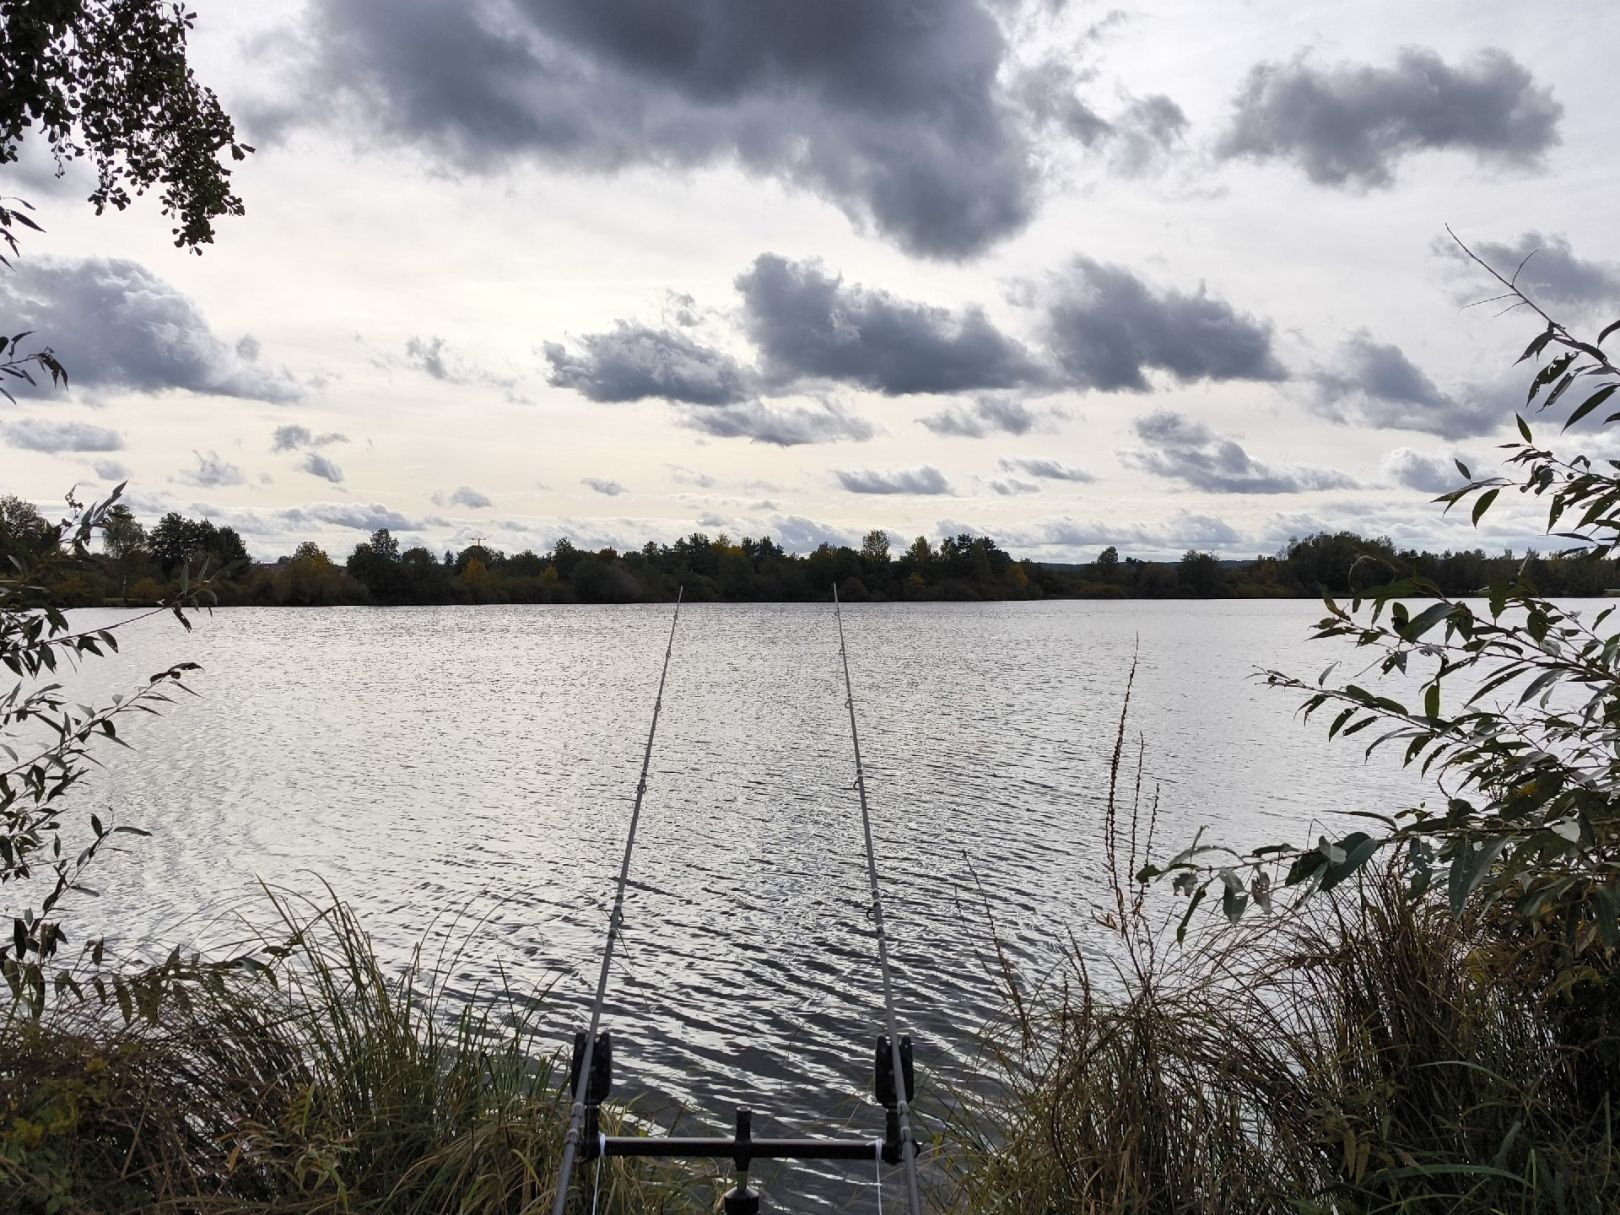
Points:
(1049, 470)
(889, 109)
(116, 325)
(1107, 328)
(924, 480)
(602, 486)
(1371, 383)
(1547, 271)
(808, 324)
(633, 362)
(780, 425)
(211, 472)
(294, 438)
(1429, 473)
(1187, 451)
(34, 434)
(1349, 124)
(318, 465)
(985, 417)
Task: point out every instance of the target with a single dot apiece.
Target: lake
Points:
(480, 763)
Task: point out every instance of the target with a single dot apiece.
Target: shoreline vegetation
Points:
(140, 567)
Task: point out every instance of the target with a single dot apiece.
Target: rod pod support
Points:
(596, 1092)
(888, 1095)
(740, 1200)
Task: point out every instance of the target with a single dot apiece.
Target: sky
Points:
(1167, 276)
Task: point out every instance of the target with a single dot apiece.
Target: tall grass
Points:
(327, 1086)
(1361, 1053)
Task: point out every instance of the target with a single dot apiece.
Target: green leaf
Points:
(1537, 346)
(1483, 504)
(1469, 865)
(1181, 928)
(1588, 405)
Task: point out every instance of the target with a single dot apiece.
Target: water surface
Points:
(430, 760)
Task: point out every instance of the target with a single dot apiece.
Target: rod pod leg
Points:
(740, 1200)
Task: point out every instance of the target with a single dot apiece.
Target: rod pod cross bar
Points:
(742, 1149)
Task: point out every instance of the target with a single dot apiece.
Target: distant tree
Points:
(875, 549)
(565, 557)
(124, 540)
(1200, 574)
(1108, 564)
(24, 531)
(375, 565)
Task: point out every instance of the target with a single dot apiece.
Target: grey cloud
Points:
(633, 362)
(33, 434)
(1050, 470)
(924, 480)
(688, 476)
(438, 359)
(780, 425)
(809, 324)
(797, 534)
(292, 438)
(985, 417)
(1106, 328)
(429, 355)
(360, 516)
(710, 519)
(1371, 383)
(110, 470)
(1430, 474)
(1135, 140)
(116, 325)
(318, 465)
(469, 497)
(211, 472)
(1013, 486)
(891, 111)
(1181, 531)
(602, 486)
(1546, 268)
(1350, 124)
(1187, 451)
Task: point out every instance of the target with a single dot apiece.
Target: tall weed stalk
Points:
(1366, 1052)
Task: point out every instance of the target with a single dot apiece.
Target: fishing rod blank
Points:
(899, 1055)
(591, 1077)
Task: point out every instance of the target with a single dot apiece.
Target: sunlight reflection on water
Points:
(430, 762)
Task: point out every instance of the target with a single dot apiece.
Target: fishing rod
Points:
(591, 1069)
(592, 1076)
(899, 1054)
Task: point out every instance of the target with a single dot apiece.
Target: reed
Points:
(326, 1086)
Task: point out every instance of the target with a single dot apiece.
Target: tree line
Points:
(142, 565)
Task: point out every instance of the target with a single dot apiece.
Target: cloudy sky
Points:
(1166, 276)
